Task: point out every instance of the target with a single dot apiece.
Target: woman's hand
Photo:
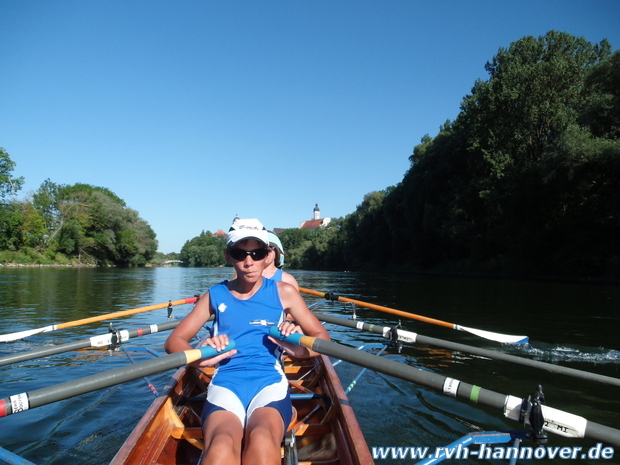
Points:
(287, 328)
(219, 343)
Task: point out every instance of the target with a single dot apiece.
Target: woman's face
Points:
(248, 268)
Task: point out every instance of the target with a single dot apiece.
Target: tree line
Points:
(525, 180)
(69, 224)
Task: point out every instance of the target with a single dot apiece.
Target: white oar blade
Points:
(503, 338)
(23, 334)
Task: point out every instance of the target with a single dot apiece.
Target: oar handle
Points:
(208, 351)
(47, 395)
(295, 338)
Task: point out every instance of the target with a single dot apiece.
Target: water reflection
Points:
(572, 324)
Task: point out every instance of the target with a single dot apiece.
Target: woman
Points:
(247, 401)
(275, 261)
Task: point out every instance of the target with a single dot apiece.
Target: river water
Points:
(570, 324)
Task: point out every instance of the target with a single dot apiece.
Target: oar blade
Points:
(503, 338)
(84, 321)
(498, 337)
(23, 334)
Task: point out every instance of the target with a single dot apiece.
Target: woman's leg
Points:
(263, 437)
(223, 434)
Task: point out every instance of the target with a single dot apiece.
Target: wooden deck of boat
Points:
(325, 428)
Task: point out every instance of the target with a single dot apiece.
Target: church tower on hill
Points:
(316, 221)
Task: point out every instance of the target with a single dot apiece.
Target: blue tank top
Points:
(248, 322)
(278, 275)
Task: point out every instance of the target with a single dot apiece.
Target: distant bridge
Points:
(172, 261)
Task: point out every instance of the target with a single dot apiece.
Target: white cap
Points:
(274, 242)
(247, 229)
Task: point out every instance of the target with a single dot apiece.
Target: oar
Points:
(146, 379)
(12, 459)
(94, 319)
(556, 421)
(410, 337)
(503, 338)
(27, 400)
(102, 340)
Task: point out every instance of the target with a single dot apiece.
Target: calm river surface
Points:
(571, 324)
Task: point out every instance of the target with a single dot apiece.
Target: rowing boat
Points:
(323, 430)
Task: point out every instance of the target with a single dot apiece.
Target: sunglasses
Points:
(240, 255)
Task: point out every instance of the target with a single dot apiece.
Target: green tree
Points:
(204, 250)
(11, 219)
(533, 94)
(295, 242)
(321, 251)
(581, 178)
(601, 112)
(46, 201)
(294, 238)
(94, 225)
(364, 238)
(8, 184)
(10, 226)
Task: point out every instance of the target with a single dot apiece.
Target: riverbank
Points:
(35, 259)
(459, 274)
(41, 265)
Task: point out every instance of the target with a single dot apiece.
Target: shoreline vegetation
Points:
(480, 275)
(523, 183)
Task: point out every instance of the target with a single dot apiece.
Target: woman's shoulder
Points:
(289, 278)
(285, 289)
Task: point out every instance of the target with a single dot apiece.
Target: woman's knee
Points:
(265, 427)
(223, 432)
(265, 433)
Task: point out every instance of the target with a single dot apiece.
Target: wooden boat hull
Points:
(324, 429)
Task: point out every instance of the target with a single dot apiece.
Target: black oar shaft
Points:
(493, 354)
(97, 341)
(429, 379)
(39, 353)
(47, 395)
(603, 433)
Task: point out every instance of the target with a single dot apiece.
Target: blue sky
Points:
(196, 111)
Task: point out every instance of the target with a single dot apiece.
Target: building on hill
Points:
(316, 222)
(219, 233)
